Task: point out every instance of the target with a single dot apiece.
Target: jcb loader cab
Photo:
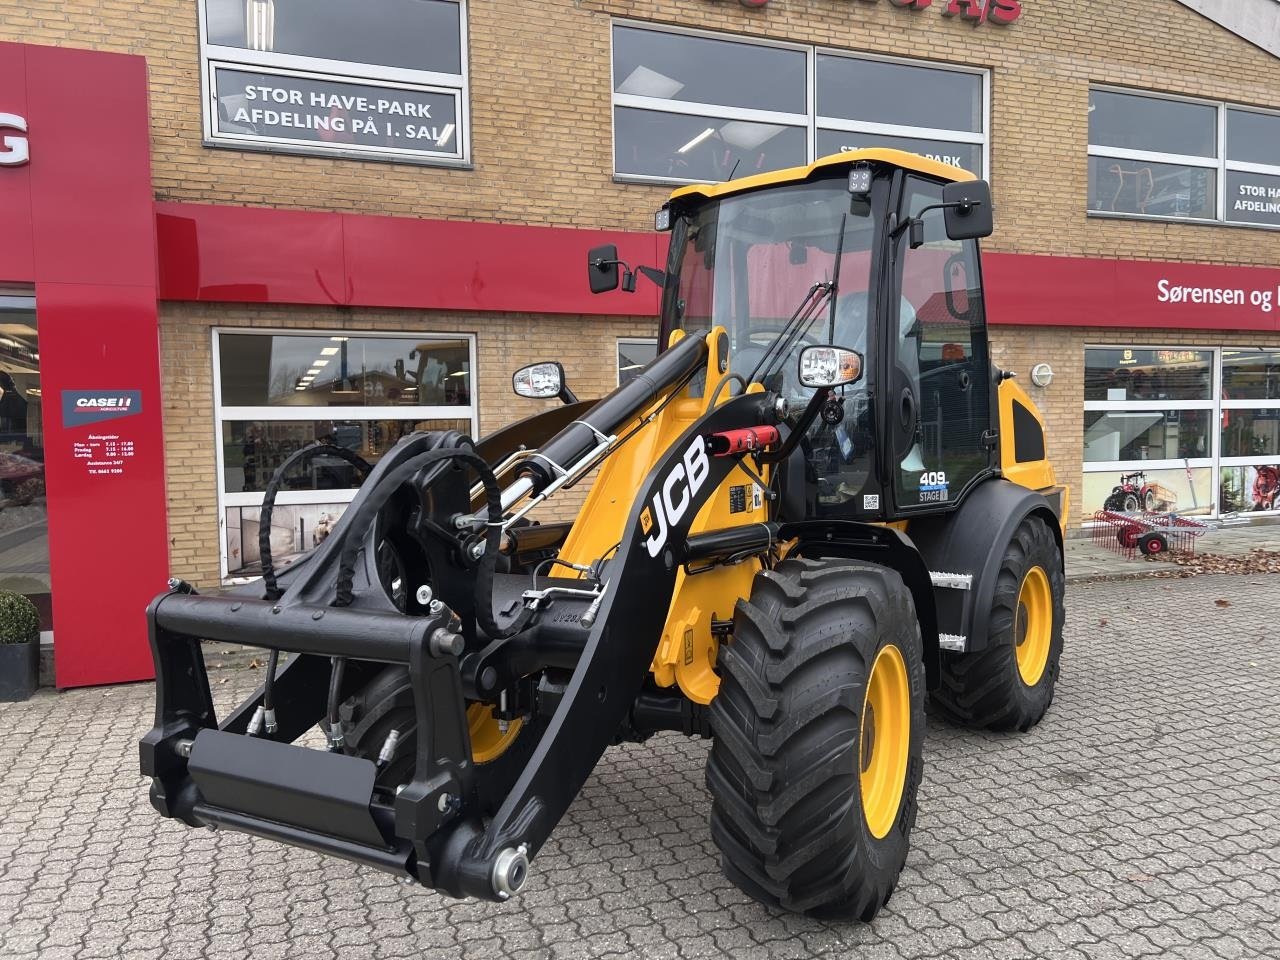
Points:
(819, 501)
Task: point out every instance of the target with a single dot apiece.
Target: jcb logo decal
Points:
(675, 495)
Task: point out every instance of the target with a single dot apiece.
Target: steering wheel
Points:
(758, 342)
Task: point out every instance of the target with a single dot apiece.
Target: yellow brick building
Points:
(1126, 137)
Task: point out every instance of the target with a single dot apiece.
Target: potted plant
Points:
(19, 647)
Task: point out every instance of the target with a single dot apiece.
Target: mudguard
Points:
(972, 540)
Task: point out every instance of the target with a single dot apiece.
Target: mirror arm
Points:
(566, 396)
(800, 429)
(628, 278)
(964, 206)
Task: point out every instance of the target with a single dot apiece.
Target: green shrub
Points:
(19, 619)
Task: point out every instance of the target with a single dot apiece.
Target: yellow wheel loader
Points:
(817, 505)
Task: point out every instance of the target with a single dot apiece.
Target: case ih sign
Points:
(1003, 12)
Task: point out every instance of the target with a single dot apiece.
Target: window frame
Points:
(1221, 164)
(458, 86)
(228, 413)
(809, 121)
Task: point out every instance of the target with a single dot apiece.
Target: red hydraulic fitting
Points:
(746, 440)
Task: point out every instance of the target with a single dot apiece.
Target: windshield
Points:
(749, 261)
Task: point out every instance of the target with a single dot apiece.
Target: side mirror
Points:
(542, 381)
(829, 366)
(602, 268)
(966, 210)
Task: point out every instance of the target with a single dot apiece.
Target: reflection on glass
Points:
(967, 156)
(252, 450)
(1253, 137)
(1253, 489)
(633, 355)
(412, 34)
(1111, 435)
(1182, 491)
(1251, 374)
(875, 91)
(1152, 189)
(1135, 122)
(726, 73)
(340, 371)
(1250, 433)
(679, 147)
(24, 520)
(1143, 374)
(295, 529)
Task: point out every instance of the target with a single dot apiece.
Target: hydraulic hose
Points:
(273, 591)
(358, 521)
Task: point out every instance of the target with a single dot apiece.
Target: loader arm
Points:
(336, 610)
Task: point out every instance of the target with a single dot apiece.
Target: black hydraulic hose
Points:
(273, 592)
(365, 512)
(269, 684)
(337, 669)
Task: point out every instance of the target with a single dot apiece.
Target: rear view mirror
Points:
(602, 268)
(829, 366)
(966, 210)
(539, 381)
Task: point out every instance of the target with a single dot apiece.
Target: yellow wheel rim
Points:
(885, 740)
(488, 740)
(1033, 626)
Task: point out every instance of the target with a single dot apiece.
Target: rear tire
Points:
(813, 797)
(1009, 685)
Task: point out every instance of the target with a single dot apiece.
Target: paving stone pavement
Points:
(1141, 818)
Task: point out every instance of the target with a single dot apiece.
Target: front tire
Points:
(1009, 684)
(818, 728)
(386, 703)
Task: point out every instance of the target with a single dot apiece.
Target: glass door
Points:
(24, 518)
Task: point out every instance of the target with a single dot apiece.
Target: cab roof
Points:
(897, 158)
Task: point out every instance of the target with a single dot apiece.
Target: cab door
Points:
(938, 401)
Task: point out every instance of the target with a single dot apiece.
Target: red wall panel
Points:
(260, 255)
(108, 545)
(90, 251)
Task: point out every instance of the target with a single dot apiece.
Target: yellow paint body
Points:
(1033, 474)
(686, 653)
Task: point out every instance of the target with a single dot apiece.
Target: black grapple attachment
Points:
(419, 573)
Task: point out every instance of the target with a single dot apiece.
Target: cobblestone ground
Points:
(1142, 818)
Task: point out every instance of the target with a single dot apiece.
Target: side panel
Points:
(1023, 457)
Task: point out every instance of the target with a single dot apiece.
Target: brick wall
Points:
(541, 137)
(586, 347)
(541, 145)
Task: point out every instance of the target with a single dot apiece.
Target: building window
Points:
(1164, 158)
(865, 102)
(634, 353)
(695, 107)
(277, 392)
(1161, 423)
(371, 79)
